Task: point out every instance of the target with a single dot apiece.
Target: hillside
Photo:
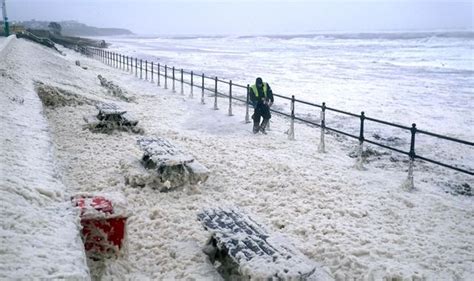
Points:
(74, 28)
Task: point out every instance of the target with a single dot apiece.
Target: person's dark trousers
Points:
(261, 110)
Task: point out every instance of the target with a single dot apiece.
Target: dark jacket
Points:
(253, 98)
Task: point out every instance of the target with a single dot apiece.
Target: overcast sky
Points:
(235, 17)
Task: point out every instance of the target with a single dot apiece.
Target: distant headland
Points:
(74, 28)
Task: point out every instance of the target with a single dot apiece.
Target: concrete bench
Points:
(165, 166)
(110, 118)
(245, 250)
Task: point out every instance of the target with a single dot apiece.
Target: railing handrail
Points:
(112, 57)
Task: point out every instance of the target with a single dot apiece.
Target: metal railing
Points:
(202, 82)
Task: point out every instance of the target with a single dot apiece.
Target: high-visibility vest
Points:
(255, 91)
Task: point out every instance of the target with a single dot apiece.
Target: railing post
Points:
(409, 182)
(215, 94)
(121, 61)
(136, 67)
(247, 118)
(151, 72)
(230, 98)
(146, 70)
(174, 88)
(115, 60)
(291, 132)
(158, 74)
(322, 145)
(360, 159)
(202, 90)
(127, 64)
(182, 82)
(166, 76)
(192, 85)
(141, 69)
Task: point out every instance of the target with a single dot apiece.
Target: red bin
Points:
(103, 229)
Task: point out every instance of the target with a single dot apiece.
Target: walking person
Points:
(261, 97)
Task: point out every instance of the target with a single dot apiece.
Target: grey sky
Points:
(251, 17)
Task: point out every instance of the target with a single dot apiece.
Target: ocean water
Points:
(425, 78)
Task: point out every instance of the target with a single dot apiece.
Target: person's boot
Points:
(256, 127)
(264, 126)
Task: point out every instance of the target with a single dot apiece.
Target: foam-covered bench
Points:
(242, 248)
(164, 166)
(110, 118)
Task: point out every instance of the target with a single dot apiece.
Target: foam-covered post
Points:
(202, 90)
(291, 132)
(409, 182)
(141, 69)
(322, 145)
(192, 85)
(146, 70)
(215, 94)
(158, 75)
(247, 118)
(151, 72)
(166, 76)
(174, 88)
(360, 159)
(182, 83)
(136, 67)
(230, 98)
